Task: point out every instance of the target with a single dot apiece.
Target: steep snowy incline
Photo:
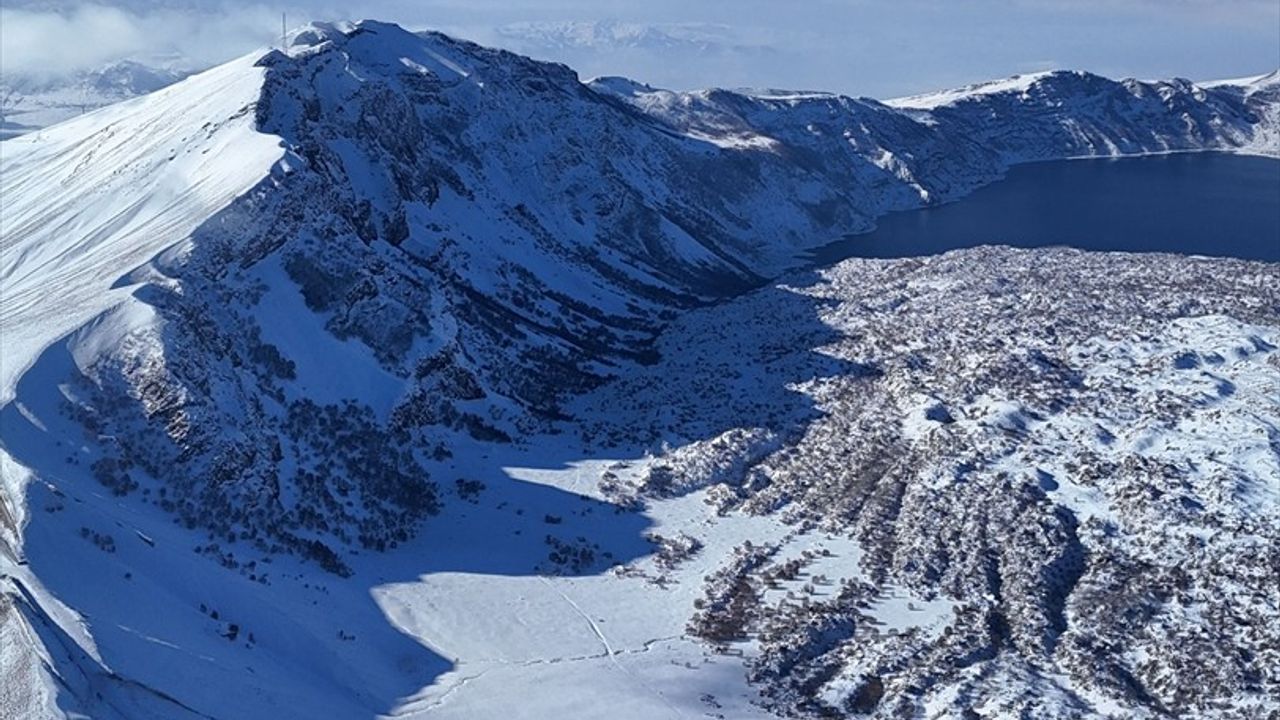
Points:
(934, 100)
(89, 201)
(30, 101)
(1078, 114)
(1261, 95)
(88, 208)
(861, 158)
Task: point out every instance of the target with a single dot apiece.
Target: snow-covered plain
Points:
(318, 402)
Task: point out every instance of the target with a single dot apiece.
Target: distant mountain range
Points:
(30, 102)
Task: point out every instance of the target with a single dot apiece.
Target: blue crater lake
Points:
(1194, 203)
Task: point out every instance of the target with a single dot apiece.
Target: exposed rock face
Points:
(1099, 500)
(1070, 114)
(440, 240)
(499, 236)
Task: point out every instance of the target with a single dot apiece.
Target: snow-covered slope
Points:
(92, 210)
(931, 101)
(96, 198)
(1062, 463)
(95, 207)
(1261, 95)
(290, 312)
(30, 102)
(1065, 114)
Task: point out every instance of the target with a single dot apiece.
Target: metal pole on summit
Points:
(283, 32)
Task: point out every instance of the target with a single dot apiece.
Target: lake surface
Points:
(1194, 203)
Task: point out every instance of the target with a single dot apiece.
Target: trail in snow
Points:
(608, 649)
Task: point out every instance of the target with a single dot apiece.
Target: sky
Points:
(881, 48)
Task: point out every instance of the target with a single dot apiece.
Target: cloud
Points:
(50, 42)
(675, 55)
(867, 47)
(612, 35)
(1224, 10)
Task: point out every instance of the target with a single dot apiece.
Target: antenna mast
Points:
(283, 32)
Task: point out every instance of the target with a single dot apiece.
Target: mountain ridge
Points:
(651, 253)
(287, 287)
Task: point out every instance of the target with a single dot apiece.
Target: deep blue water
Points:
(1201, 204)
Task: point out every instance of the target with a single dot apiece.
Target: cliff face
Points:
(269, 300)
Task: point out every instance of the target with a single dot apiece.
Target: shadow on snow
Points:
(150, 602)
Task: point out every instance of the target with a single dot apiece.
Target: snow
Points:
(96, 198)
(561, 643)
(1249, 84)
(786, 96)
(475, 617)
(82, 213)
(900, 610)
(930, 101)
(329, 369)
(98, 204)
(517, 643)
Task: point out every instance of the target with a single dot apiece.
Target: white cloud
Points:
(867, 47)
(89, 35)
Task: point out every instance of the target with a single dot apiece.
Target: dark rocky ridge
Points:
(502, 237)
(1080, 500)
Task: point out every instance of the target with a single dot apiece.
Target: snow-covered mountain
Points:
(30, 102)
(1261, 95)
(303, 312)
(1050, 114)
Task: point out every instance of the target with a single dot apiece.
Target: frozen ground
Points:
(563, 581)
(472, 619)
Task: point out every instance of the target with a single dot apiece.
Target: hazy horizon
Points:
(858, 48)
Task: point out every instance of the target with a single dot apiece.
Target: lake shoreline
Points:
(1216, 204)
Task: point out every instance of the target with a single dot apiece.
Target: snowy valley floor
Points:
(996, 482)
